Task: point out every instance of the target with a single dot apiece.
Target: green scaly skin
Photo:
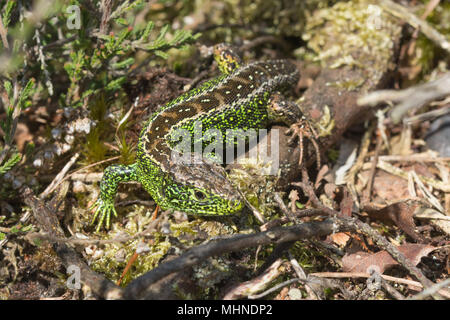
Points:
(241, 98)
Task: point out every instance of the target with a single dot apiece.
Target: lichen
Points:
(325, 125)
(111, 259)
(256, 183)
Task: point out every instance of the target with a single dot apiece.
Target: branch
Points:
(411, 98)
(432, 290)
(48, 222)
(194, 256)
(404, 14)
(3, 34)
(366, 229)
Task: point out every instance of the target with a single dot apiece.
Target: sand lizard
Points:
(242, 97)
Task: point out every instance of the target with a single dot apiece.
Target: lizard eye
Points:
(200, 195)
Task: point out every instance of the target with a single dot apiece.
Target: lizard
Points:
(241, 97)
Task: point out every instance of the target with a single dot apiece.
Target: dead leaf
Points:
(22, 136)
(387, 188)
(362, 261)
(321, 175)
(400, 213)
(346, 204)
(340, 238)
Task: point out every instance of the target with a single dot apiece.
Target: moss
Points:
(111, 259)
(211, 272)
(350, 84)
(356, 34)
(126, 150)
(325, 125)
(94, 148)
(333, 154)
(47, 259)
(217, 228)
(241, 18)
(180, 61)
(440, 17)
(185, 227)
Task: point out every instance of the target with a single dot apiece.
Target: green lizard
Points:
(243, 97)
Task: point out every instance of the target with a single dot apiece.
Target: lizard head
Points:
(201, 189)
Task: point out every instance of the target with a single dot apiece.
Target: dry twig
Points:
(278, 235)
(59, 177)
(403, 174)
(411, 283)
(3, 34)
(404, 14)
(48, 222)
(432, 290)
(257, 284)
(368, 231)
(411, 98)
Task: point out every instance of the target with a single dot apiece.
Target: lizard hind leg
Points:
(283, 111)
(227, 60)
(289, 113)
(303, 129)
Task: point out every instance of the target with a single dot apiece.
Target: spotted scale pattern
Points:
(238, 101)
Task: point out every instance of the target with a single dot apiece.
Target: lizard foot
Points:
(302, 129)
(104, 209)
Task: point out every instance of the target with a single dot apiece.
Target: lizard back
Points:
(235, 101)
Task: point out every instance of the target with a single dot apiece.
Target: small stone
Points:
(165, 228)
(438, 136)
(67, 112)
(8, 176)
(65, 148)
(120, 255)
(295, 294)
(69, 139)
(37, 163)
(17, 183)
(79, 187)
(48, 155)
(56, 133)
(83, 125)
(33, 181)
(57, 149)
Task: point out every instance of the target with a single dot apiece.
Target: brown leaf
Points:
(22, 136)
(321, 175)
(400, 213)
(361, 261)
(387, 188)
(346, 204)
(340, 238)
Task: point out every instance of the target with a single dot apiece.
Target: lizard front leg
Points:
(112, 176)
(289, 113)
